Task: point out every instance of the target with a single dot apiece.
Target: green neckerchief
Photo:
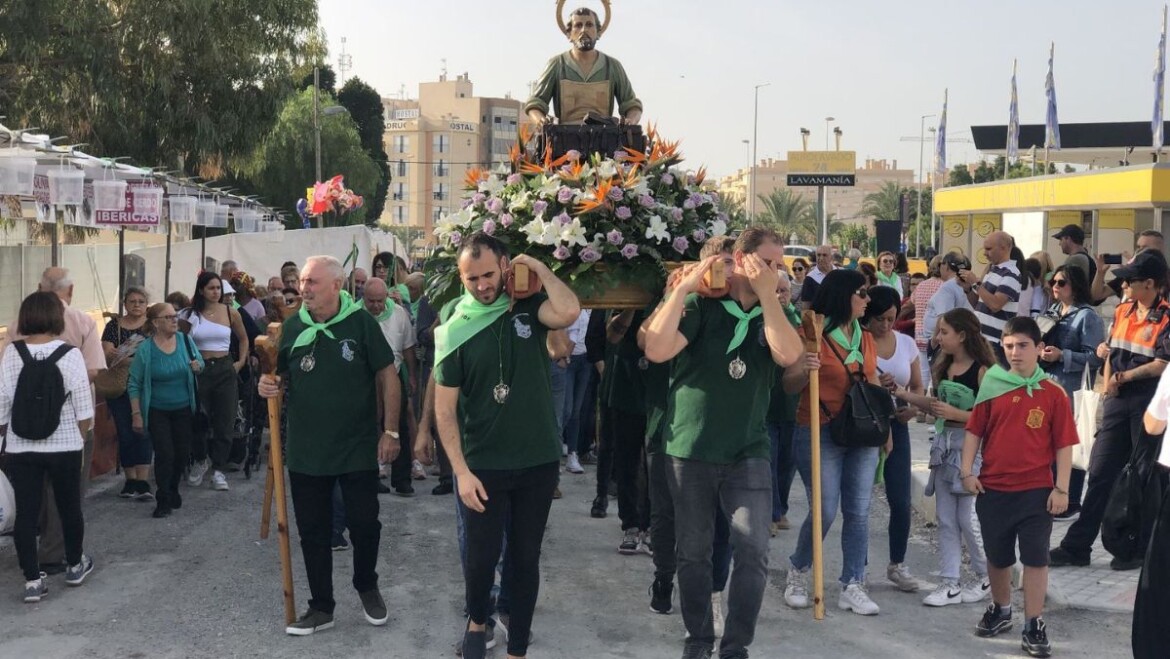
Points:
(852, 345)
(404, 292)
(999, 381)
(470, 317)
(312, 327)
(386, 313)
(955, 394)
(741, 327)
(793, 314)
(891, 281)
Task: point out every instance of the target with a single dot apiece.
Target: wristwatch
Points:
(392, 434)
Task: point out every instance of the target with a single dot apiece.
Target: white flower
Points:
(640, 188)
(540, 232)
(520, 202)
(573, 233)
(548, 186)
(607, 169)
(658, 230)
(717, 227)
(491, 186)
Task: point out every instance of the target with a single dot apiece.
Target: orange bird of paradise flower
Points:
(600, 199)
(472, 178)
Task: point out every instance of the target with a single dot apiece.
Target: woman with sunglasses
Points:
(162, 395)
(846, 473)
(1070, 352)
(886, 262)
(799, 272)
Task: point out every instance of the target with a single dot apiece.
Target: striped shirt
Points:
(1003, 278)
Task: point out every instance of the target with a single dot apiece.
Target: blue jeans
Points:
(783, 466)
(720, 553)
(134, 448)
(897, 477)
(556, 375)
(576, 385)
(846, 480)
(499, 593)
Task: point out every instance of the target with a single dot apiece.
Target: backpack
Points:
(864, 418)
(40, 394)
(1133, 502)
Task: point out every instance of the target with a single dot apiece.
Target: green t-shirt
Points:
(714, 417)
(333, 425)
(522, 432)
(628, 385)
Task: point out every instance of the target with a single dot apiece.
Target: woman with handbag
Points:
(120, 341)
(162, 395)
(847, 361)
(1072, 331)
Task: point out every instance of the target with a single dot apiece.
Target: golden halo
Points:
(567, 29)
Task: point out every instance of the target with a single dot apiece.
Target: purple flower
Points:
(676, 214)
(667, 178)
(614, 237)
(489, 227)
(561, 253)
(620, 155)
(615, 194)
(646, 201)
(513, 179)
(699, 235)
(697, 199)
(573, 155)
(589, 255)
(623, 213)
(506, 220)
(680, 245)
(565, 195)
(495, 205)
(563, 218)
(478, 198)
(630, 250)
(455, 237)
(539, 206)
(466, 204)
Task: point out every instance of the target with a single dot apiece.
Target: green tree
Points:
(885, 203)
(849, 235)
(282, 166)
(365, 107)
(960, 175)
(788, 213)
(733, 207)
(185, 84)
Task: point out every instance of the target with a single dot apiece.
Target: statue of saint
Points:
(583, 81)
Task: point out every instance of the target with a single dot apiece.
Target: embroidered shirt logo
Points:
(1035, 418)
(523, 330)
(346, 350)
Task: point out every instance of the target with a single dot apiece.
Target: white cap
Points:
(227, 288)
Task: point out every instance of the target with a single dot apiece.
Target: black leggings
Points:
(27, 473)
(171, 432)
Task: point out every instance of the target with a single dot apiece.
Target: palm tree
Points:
(788, 213)
(885, 204)
(736, 215)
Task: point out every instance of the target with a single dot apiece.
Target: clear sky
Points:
(876, 67)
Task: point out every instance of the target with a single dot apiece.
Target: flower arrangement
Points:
(596, 221)
(328, 197)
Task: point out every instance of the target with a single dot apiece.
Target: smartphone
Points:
(1111, 259)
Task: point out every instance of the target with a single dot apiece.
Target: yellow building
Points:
(431, 141)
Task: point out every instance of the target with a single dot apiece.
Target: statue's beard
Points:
(586, 43)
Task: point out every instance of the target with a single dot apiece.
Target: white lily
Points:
(717, 227)
(521, 202)
(607, 169)
(573, 233)
(491, 186)
(548, 186)
(658, 230)
(537, 232)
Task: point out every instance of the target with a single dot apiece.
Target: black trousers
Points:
(605, 452)
(400, 467)
(661, 518)
(1117, 435)
(527, 495)
(27, 472)
(312, 498)
(628, 432)
(1151, 608)
(219, 387)
(171, 434)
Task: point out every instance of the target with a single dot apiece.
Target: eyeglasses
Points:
(888, 262)
(862, 293)
(1057, 283)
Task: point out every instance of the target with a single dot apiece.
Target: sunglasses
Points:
(1057, 283)
(862, 293)
(798, 269)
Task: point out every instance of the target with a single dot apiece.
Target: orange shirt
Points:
(835, 380)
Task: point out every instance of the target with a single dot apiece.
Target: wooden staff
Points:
(266, 347)
(812, 324)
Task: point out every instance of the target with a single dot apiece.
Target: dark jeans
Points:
(1151, 608)
(518, 499)
(783, 466)
(502, 600)
(629, 459)
(171, 432)
(219, 393)
(133, 447)
(400, 467)
(1119, 432)
(662, 528)
(27, 472)
(897, 477)
(605, 452)
(312, 498)
(744, 493)
(576, 387)
(338, 503)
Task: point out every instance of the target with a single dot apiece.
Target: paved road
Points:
(201, 584)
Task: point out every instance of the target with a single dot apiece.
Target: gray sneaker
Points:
(36, 589)
(198, 469)
(374, 607)
(491, 641)
(312, 621)
(75, 574)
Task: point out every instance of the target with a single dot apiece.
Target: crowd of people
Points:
(695, 413)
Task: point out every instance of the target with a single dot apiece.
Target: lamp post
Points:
(822, 196)
(755, 144)
(747, 158)
(918, 215)
(828, 120)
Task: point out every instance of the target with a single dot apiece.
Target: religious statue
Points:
(583, 82)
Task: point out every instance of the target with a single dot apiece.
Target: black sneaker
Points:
(404, 490)
(339, 544)
(661, 596)
(142, 492)
(474, 645)
(490, 636)
(175, 500)
(995, 621)
(1035, 639)
(128, 489)
(374, 607)
(161, 510)
(1061, 557)
(444, 487)
(1125, 565)
(312, 621)
(696, 649)
(382, 489)
(600, 504)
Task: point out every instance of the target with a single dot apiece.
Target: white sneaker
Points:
(948, 592)
(796, 589)
(198, 469)
(417, 472)
(219, 481)
(717, 613)
(900, 576)
(854, 598)
(976, 591)
(644, 546)
(573, 465)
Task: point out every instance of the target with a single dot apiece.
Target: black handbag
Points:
(1133, 502)
(864, 418)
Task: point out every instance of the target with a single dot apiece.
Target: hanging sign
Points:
(131, 215)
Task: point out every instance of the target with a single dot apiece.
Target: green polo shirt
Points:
(522, 432)
(333, 425)
(712, 416)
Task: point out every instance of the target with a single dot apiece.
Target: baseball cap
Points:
(1073, 231)
(1149, 264)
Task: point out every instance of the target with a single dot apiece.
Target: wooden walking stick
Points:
(812, 325)
(266, 347)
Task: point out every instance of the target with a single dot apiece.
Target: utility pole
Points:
(755, 146)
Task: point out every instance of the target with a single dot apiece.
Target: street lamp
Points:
(827, 121)
(921, 146)
(755, 143)
(747, 157)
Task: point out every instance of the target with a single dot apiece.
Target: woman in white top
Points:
(53, 441)
(210, 323)
(898, 368)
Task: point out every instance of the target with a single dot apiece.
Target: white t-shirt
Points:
(1160, 409)
(899, 365)
(577, 331)
(78, 400)
(398, 331)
